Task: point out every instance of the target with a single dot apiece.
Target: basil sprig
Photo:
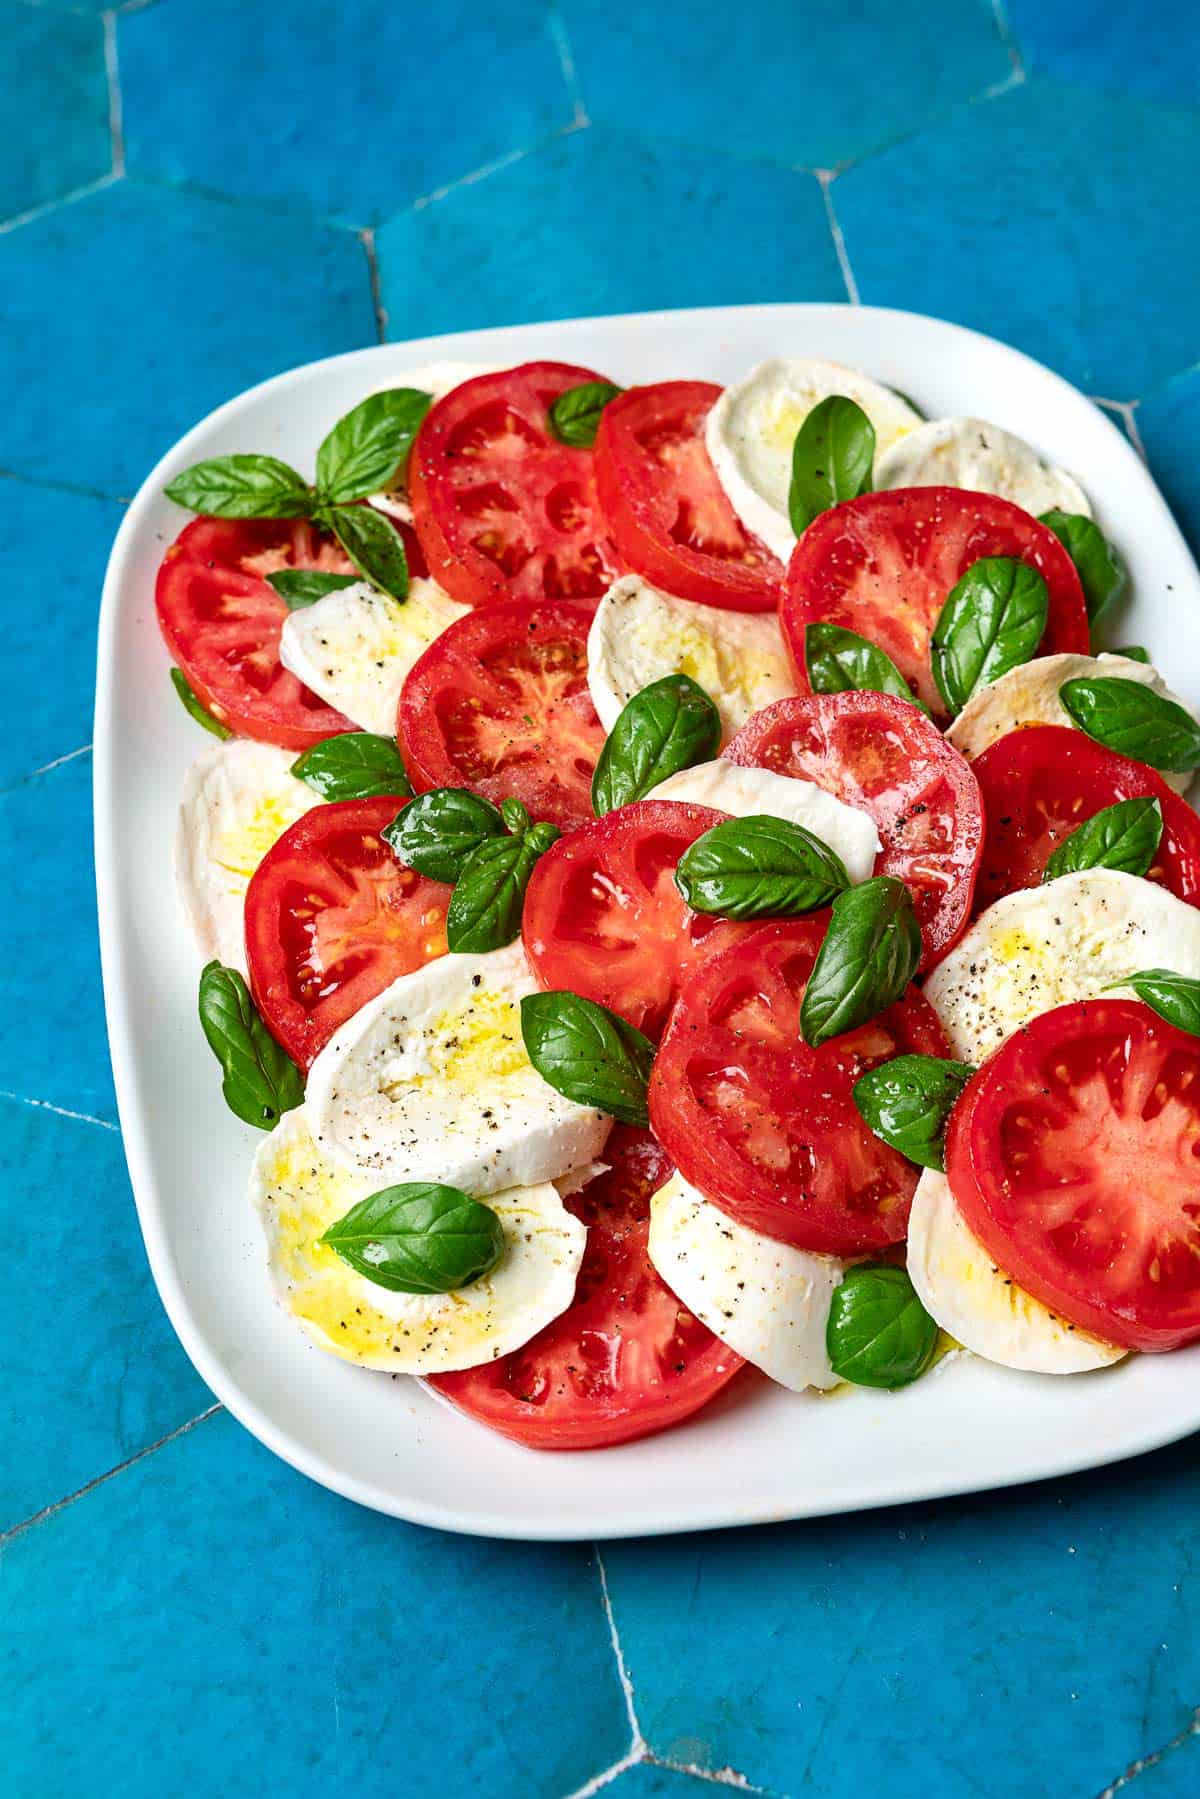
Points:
(419, 1237)
(354, 766)
(1175, 997)
(195, 707)
(869, 954)
(242, 487)
(374, 546)
(993, 620)
(588, 1054)
(575, 414)
(907, 1102)
(832, 459)
(840, 661)
(438, 831)
(1124, 836)
(300, 587)
(489, 895)
(260, 1081)
(1102, 574)
(670, 725)
(879, 1334)
(759, 867)
(1132, 719)
(367, 450)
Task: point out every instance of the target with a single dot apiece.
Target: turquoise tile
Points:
(142, 309)
(210, 1622)
(1055, 219)
(812, 85)
(54, 100)
(926, 1641)
(52, 1040)
(645, 1780)
(1168, 423)
(81, 1326)
(601, 222)
(1123, 46)
(1176, 1775)
(354, 113)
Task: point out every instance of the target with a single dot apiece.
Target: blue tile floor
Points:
(196, 194)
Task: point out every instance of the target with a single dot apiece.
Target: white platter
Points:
(761, 1454)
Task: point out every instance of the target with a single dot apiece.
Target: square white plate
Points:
(760, 1453)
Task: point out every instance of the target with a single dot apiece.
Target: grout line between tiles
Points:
(1000, 14)
(367, 239)
(826, 179)
(112, 69)
(71, 487)
(637, 1743)
(59, 760)
(566, 62)
(77, 193)
(494, 168)
(1191, 1729)
(47, 1105)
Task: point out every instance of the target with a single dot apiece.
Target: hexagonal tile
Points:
(1122, 46)
(54, 98)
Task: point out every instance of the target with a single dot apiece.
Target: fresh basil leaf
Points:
(832, 459)
(759, 867)
(1132, 719)
(195, 707)
(419, 1237)
(993, 620)
(299, 587)
(367, 450)
(242, 487)
(515, 816)
(374, 546)
(438, 831)
(260, 1081)
(1102, 574)
(1124, 836)
(1133, 652)
(671, 724)
(879, 1334)
(840, 661)
(907, 1102)
(575, 414)
(1175, 997)
(489, 895)
(358, 765)
(588, 1054)
(867, 958)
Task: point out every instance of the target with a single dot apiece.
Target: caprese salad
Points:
(680, 886)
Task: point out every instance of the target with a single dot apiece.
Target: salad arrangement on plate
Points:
(680, 886)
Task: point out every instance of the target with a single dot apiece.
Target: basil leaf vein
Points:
(242, 486)
(355, 765)
(1132, 719)
(439, 830)
(879, 1334)
(374, 546)
(260, 1081)
(840, 661)
(993, 620)
(575, 414)
(366, 451)
(759, 867)
(832, 459)
(419, 1237)
(869, 955)
(908, 1101)
(1125, 836)
(194, 706)
(1102, 573)
(670, 725)
(588, 1054)
(299, 587)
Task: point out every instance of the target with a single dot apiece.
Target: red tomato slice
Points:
(764, 1126)
(332, 919)
(667, 511)
(881, 754)
(1039, 783)
(500, 703)
(884, 566)
(1073, 1157)
(503, 510)
(604, 918)
(626, 1358)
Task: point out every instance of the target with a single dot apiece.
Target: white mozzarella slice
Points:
(639, 635)
(751, 431)
(355, 647)
(430, 1081)
(1028, 695)
(978, 1304)
(238, 798)
(765, 1300)
(983, 458)
(299, 1193)
(438, 379)
(759, 792)
(1049, 946)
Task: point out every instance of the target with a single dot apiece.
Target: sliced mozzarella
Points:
(971, 453)
(437, 379)
(1048, 946)
(238, 798)
(746, 792)
(751, 432)
(976, 1302)
(355, 647)
(767, 1301)
(639, 635)
(430, 1081)
(299, 1193)
(1028, 695)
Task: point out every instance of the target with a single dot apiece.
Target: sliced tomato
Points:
(332, 919)
(604, 918)
(503, 510)
(1074, 1156)
(881, 754)
(766, 1127)
(626, 1358)
(1040, 783)
(500, 703)
(884, 566)
(667, 511)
